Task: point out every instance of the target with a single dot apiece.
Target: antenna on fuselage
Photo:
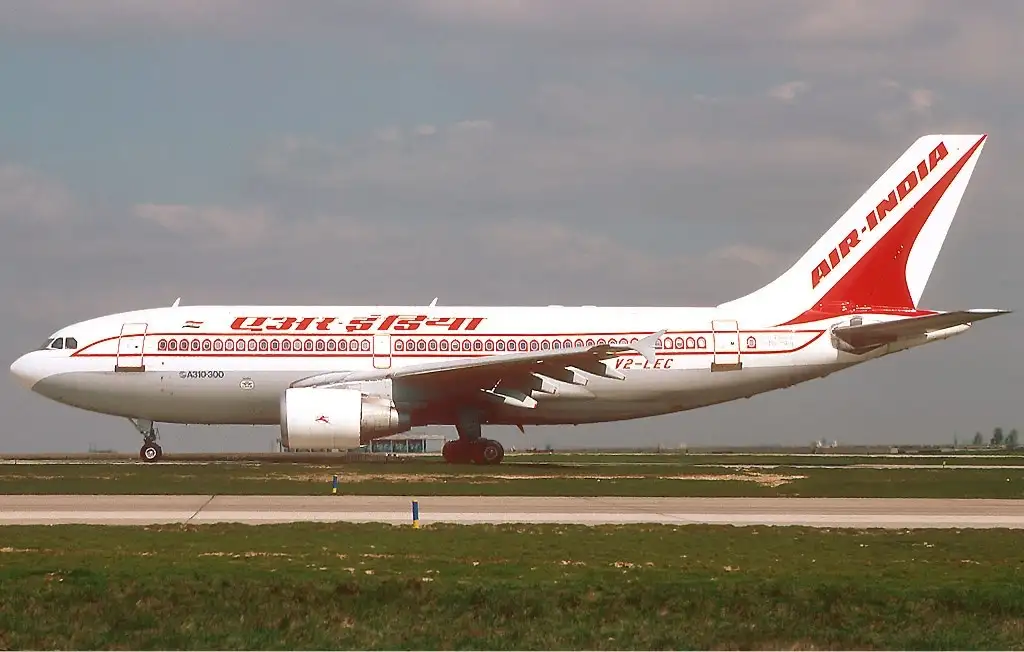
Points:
(433, 303)
(176, 302)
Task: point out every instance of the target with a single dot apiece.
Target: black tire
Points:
(457, 451)
(150, 452)
(491, 452)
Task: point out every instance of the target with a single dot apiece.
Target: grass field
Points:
(534, 476)
(537, 587)
(1013, 458)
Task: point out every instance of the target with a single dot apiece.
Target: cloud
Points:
(789, 91)
(211, 226)
(28, 196)
(112, 16)
(599, 153)
(934, 39)
(530, 254)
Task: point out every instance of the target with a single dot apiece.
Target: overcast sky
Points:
(528, 152)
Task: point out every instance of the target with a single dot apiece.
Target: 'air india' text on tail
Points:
(875, 217)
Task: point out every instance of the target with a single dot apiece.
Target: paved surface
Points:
(818, 512)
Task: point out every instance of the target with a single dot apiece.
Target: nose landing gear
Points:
(150, 451)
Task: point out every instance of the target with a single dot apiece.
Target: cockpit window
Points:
(58, 343)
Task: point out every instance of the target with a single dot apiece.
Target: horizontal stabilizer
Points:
(862, 336)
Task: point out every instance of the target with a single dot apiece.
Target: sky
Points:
(486, 152)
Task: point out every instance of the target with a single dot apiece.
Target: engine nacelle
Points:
(317, 418)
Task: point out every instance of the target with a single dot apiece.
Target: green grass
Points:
(517, 477)
(506, 587)
(1004, 457)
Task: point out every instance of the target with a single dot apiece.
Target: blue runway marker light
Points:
(334, 484)
(415, 513)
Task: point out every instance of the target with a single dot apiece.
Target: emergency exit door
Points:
(725, 338)
(382, 351)
(130, 347)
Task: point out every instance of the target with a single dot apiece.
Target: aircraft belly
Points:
(253, 397)
(197, 398)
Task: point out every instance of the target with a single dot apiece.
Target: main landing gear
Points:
(150, 451)
(471, 448)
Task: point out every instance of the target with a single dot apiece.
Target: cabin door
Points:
(726, 342)
(130, 346)
(382, 351)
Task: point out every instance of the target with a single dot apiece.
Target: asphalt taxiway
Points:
(814, 512)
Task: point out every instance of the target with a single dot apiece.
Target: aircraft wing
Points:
(507, 376)
(870, 335)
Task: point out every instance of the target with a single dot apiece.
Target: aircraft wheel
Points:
(150, 453)
(489, 452)
(457, 452)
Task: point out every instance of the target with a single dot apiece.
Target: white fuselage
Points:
(231, 364)
(344, 375)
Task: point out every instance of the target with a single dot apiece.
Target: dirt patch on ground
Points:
(764, 479)
(245, 555)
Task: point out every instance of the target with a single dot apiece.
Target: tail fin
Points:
(880, 253)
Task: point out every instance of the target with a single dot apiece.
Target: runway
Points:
(813, 512)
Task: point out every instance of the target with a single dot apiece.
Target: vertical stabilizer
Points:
(881, 252)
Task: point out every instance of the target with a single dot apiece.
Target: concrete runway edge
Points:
(814, 512)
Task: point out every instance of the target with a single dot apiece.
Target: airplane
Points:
(336, 377)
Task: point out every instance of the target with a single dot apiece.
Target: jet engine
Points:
(317, 418)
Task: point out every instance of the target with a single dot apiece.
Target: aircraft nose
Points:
(28, 370)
